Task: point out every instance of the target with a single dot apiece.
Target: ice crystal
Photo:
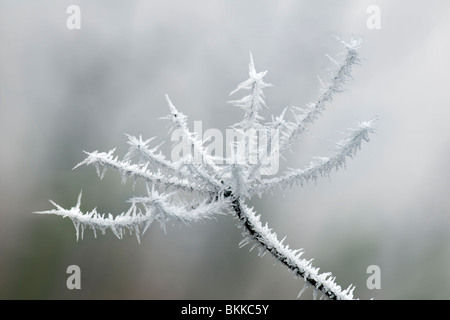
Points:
(223, 189)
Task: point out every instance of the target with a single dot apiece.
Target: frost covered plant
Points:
(188, 191)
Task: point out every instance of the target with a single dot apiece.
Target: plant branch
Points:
(340, 76)
(136, 171)
(267, 240)
(321, 166)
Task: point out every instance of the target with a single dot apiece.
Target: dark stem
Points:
(277, 255)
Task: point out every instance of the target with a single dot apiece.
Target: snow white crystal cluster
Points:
(187, 191)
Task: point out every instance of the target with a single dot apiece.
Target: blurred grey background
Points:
(64, 91)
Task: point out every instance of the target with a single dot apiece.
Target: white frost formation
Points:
(223, 189)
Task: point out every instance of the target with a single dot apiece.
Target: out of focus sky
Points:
(64, 91)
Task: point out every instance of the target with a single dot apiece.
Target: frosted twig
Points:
(203, 190)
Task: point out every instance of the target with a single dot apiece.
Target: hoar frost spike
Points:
(223, 189)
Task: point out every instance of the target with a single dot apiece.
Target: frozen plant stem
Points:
(290, 259)
(203, 190)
